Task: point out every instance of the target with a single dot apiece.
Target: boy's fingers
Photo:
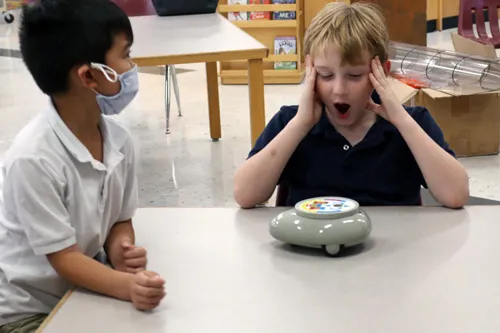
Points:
(145, 292)
(375, 82)
(127, 243)
(135, 252)
(308, 66)
(148, 303)
(378, 71)
(135, 270)
(371, 106)
(143, 303)
(136, 262)
(146, 279)
(311, 79)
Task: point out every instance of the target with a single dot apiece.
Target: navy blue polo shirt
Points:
(378, 171)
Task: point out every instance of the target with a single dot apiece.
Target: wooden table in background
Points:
(206, 38)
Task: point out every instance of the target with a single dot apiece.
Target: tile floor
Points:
(186, 168)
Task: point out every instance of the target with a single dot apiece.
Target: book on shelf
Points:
(237, 16)
(284, 45)
(260, 15)
(284, 15)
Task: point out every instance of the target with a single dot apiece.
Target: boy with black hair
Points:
(68, 184)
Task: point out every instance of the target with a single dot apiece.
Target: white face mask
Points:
(129, 86)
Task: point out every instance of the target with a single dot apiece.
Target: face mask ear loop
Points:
(106, 70)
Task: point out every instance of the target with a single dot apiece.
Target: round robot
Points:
(330, 223)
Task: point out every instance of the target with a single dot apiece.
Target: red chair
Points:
(136, 7)
(146, 8)
(465, 21)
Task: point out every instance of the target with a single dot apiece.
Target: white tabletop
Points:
(176, 36)
(424, 269)
(156, 36)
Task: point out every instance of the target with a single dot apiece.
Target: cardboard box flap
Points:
(446, 93)
(403, 91)
(469, 46)
(434, 94)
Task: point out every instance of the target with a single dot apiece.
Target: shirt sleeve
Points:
(34, 198)
(424, 118)
(131, 191)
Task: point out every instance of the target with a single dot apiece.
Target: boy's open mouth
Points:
(342, 109)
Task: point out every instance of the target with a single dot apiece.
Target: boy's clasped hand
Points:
(147, 288)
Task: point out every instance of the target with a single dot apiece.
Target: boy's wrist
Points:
(299, 126)
(122, 287)
(126, 286)
(403, 121)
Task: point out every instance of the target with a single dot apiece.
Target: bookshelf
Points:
(267, 30)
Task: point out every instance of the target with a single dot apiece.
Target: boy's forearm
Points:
(90, 274)
(119, 231)
(446, 178)
(256, 179)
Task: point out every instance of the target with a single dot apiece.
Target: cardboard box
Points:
(470, 123)
(468, 46)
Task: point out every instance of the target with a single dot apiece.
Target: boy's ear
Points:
(86, 77)
(387, 66)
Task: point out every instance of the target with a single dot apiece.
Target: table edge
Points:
(54, 311)
(188, 58)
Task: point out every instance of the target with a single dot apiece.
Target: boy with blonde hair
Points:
(340, 142)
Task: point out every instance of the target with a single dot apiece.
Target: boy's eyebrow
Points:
(351, 67)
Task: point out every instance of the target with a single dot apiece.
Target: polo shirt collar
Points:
(111, 153)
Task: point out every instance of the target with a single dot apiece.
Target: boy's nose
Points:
(339, 87)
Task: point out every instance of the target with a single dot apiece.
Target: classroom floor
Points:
(185, 168)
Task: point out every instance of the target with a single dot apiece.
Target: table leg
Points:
(256, 95)
(213, 101)
(439, 20)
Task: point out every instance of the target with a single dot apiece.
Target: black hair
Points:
(57, 35)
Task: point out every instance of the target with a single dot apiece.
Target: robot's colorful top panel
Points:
(326, 206)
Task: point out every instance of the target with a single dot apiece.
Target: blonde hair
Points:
(356, 28)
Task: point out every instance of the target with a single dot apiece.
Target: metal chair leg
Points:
(167, 97)
(176, 88)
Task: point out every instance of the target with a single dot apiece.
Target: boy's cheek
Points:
(323, 91)
(109, 88)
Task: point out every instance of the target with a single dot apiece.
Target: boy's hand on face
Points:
(391, 108)
(310, 108)
(147, 289)
(126, 257)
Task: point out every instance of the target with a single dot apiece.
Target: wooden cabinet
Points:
(406, 20)
(450, 8)
(312, 8)
(432, 9)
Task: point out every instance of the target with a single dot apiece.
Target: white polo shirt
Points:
(53, 195)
